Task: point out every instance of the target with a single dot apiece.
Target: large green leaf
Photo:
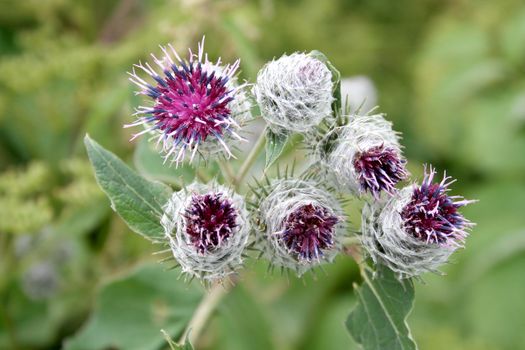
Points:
(131, 311)
(137, 200)
(379, 319)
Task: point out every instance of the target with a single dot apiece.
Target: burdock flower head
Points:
(417, 229)
(294, 92)
(207, 230)
(300, 224)
(197, 106)
(367, 156)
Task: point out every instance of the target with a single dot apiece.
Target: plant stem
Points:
(352, 247)
(226, 171)
(202, 314)
(252, 157)
(353, 240)
(202, 176)
(211, 300)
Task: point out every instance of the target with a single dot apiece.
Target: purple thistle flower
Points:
(210, 221)
(417, 229)
(309, 230)
(366, 156)
(195, 103)
(379, 169)
(432, 215)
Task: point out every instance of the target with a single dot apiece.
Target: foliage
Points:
(131, 310)
(138, 201)
(379, 319)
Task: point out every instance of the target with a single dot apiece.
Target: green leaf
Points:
(274, 146)
(138, 201)
(130, 311)
(379, 319)
(336, 79)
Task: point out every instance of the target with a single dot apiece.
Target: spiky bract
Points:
(417, 229)
(294, 93)
(197, 106)
(300, 224)
(207, 229)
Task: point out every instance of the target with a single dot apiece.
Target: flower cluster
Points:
(295, 222)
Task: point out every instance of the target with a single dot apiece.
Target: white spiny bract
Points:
(207, 229)
(294, 93)
(197, 106)
(300, 224)
(366, 156)
(417, 229)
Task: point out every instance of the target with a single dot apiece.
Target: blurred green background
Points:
(450, 74)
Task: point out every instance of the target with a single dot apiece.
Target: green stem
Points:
(216, 294)
(202, 176)
(227, 171)
(252, 157)
(352, 247)
(202, 314)
(353, 240)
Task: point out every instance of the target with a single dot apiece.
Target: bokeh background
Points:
(449, 73)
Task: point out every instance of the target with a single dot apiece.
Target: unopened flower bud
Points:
(207, 230)
(367, 156)
(294, 93)
(300, 225)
